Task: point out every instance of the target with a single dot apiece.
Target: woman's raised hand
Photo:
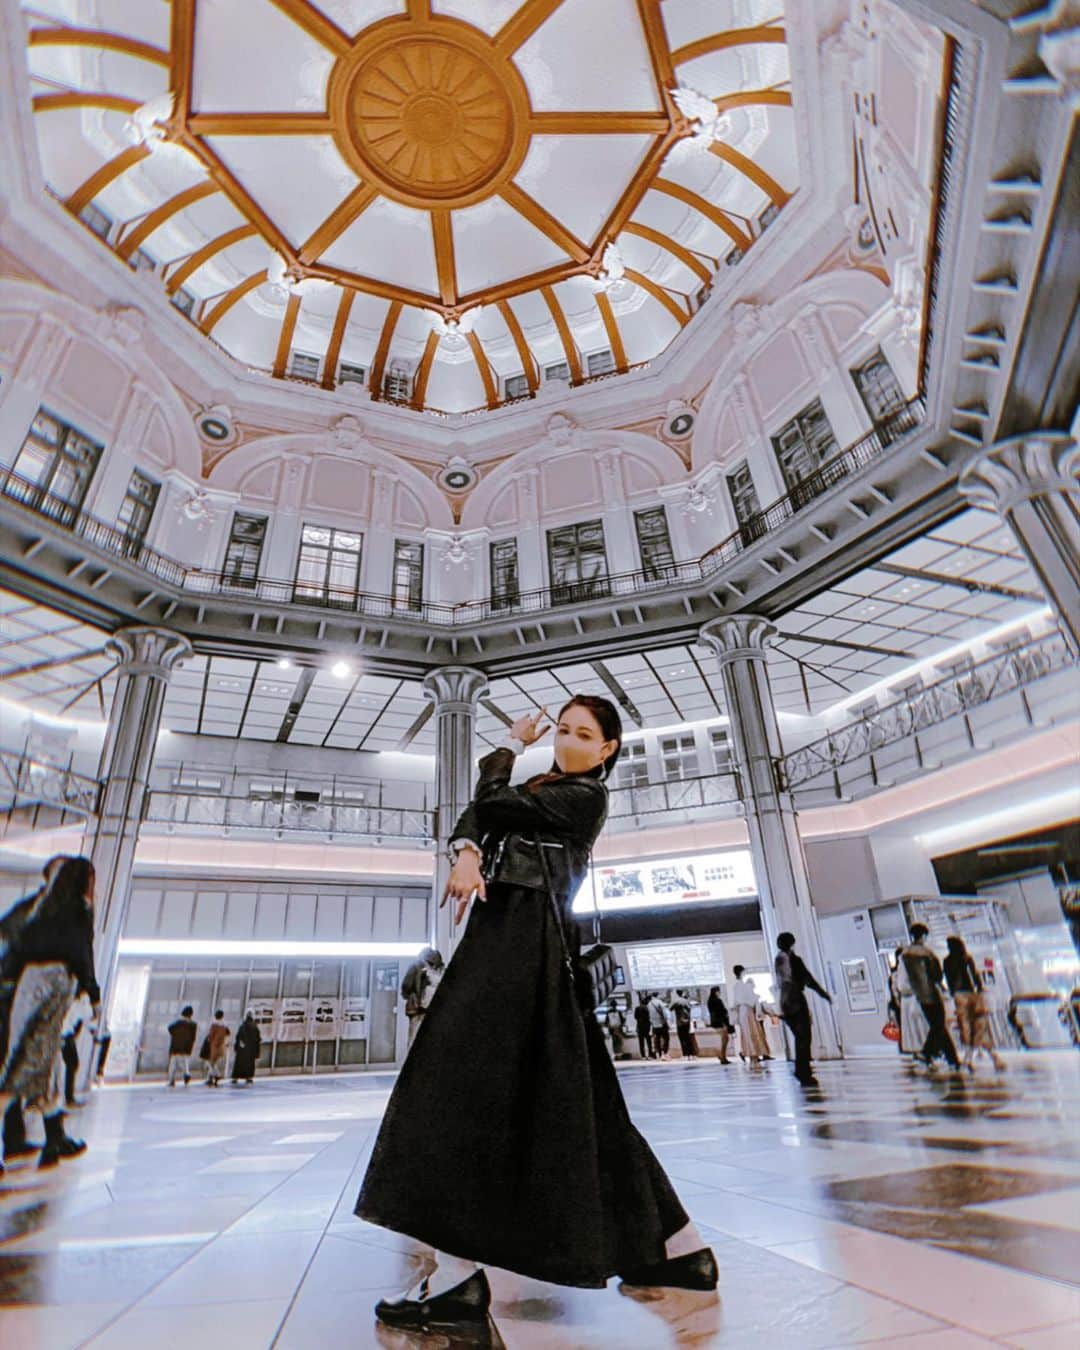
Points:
(464, 881)
(528, 729)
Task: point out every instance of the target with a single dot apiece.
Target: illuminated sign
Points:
(676, 965)
(668, 881)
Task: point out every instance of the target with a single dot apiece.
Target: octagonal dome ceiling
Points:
(449, 203)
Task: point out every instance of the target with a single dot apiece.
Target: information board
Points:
(669, 881)
(676, 965)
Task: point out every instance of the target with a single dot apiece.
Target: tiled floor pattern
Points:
(884, 1209)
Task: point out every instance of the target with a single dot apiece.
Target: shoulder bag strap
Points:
(595, 902)
(555, 914)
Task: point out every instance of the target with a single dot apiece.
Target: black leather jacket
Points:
(566, 815)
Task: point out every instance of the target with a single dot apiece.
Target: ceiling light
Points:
(283, 663)
(341, 670)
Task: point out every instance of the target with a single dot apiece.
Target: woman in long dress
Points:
(533, 1163)
(744, 1001)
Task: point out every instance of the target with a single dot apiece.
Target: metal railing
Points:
(235, 584)
(684, 794)
(205, 813)
(26, 780)
(950, 696)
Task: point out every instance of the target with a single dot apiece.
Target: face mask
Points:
(575, 758)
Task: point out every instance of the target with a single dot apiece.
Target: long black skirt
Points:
(506, 1140)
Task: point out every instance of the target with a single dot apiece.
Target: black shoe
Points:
(807, 1082)
(50, 1156)
(698, 1270)
(24, 1150)
(466, 1302)
(71, 1148)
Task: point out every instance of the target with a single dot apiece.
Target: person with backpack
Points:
(182, 1034)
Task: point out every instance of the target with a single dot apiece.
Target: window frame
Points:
(568, 591)
(508, 597)
(326, 591)
(236, 575)
(135, 538)
(666, 569)
(413, 601)
(70, 453)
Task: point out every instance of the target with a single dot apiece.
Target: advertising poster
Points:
(669, 881)
(354, 1019)
(324, 1016)
(860, 992)
(292, 1019)
(264, 1011)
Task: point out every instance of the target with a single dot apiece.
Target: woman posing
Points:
(535, 1165)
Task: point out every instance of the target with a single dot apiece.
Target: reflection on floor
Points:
(884, 1208)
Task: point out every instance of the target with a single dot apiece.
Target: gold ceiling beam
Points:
(260, 124)
(99, 181)
(684, 255)
(506, 290)
(316, 24)
(718, 42)
(381, 290)
(521, 26)
(598, 123)
(337, 222)
(652, 25)
(83, 98)
(154, 220)
(419, 10)
(746, 98)
(442, 231)
(544, 221)
(96, 37)
(683, 194)
(528, 361)
(378, 365)
(567, 338)
(204, 254)
(237, 194)
(754, 172)
(230, 298)
(611, 324)
(182, 54)
(423, 371)
(658, 293)
(285, 337)
(337, 336)
(483, 365)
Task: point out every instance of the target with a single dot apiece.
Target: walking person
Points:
(217, 1049)
(744, 999)
(661, 1032)
(247, 1050)
(924, 974)
(643, 1022)
(535, 1166)
(794, 980)
(680, 1006)
(972, 1015)
(181, 1044)
(720, 1021)
(51, 962)
(418, 987)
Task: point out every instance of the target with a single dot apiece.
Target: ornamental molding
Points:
(148, 651)
(1036, 464)
(739, 637)
(455, 689)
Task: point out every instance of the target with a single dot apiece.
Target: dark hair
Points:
(919, 931)
(187, 1010)
(737, 971)
(785, 941)
(63, 900)
(956, 946)
(219, 1013)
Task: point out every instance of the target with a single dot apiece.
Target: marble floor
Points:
(885, 1208)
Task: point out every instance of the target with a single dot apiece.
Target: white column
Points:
(455, 691)
(532, 573)
(146, 659)
(739, 644)
(377, 568)
(1032, 481)
(26, 388)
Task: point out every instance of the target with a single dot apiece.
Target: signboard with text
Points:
(669, 881)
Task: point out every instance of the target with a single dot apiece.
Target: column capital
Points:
(455, 688)
(739, 637)
(1037, 463)
(148, 651)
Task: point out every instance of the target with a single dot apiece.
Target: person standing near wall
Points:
(794, 980)
(661, 1032)
(181, 1044)
(643, 1022)
(217, 1049)
(925, 976)
(418, 987)
(972, 1015)
(248, 1047)
(720, 1021)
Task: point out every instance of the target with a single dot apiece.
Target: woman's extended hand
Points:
(527, 729)
(465, 880)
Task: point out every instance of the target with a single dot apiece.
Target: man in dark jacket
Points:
(181, 1044)
(720, 1021)
(794, 980)
(643, 1022)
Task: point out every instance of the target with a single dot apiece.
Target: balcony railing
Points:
(233, 584)
(26, 780)
(205, 813)
(951, 696)
(719, 794)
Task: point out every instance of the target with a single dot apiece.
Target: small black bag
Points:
(593, 973)
(204, 1049)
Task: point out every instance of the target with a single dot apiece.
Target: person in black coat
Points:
(720, 1021)
(246, 1050)
(794, 980)
(643, 1022)
(535, 1165)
